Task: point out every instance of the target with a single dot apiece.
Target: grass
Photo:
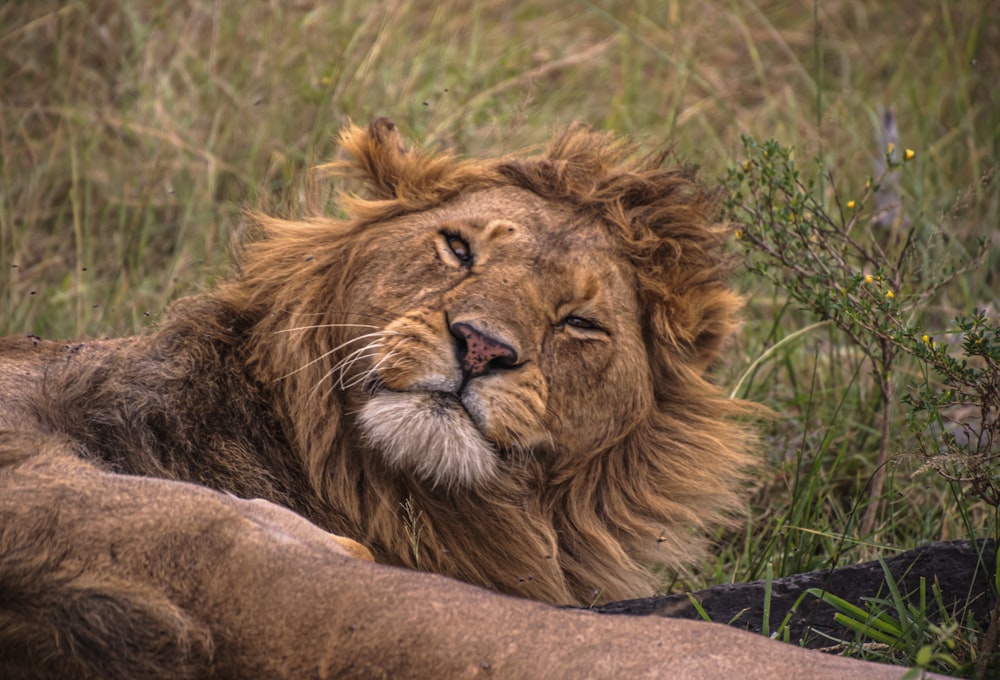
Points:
(900, 629)
(132, 133)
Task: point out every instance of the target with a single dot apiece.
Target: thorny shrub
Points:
(871, 276)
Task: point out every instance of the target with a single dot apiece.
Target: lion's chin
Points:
(429, 434)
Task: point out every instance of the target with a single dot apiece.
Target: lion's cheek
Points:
(426, 435)
(595, 409)
(511, 413)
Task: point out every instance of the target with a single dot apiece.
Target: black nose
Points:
(478, 353)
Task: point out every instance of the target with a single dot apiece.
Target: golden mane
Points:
(581, 529)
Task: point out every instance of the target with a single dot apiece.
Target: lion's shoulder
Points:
(28, 363)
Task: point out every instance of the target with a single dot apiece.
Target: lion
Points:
(514, 350)
(492, 370)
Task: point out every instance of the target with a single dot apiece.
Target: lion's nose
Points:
(478, 353)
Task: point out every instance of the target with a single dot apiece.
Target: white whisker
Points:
(331, 351)
(361, 377)
(327, 325)
(347, 363)
(371, 371)
(321, 381)
(343, 373)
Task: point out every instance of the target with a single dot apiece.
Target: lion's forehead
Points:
(519, 205)
(537, 233)
(537, 215)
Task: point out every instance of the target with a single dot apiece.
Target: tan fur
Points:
(117, 577)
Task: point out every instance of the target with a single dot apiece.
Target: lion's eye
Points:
(581, 323)
(460, 248)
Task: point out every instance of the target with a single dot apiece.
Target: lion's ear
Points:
(379, 155)
(716, 320)
(693, 328)
(385, 134)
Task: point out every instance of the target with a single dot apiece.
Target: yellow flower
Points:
(739, 233)
(889, 295)
(746, 166)
(909, 154)
(850, 205)
(868, 278)
(926, 338)
(890, 147)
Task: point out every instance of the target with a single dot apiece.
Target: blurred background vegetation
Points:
(133, 132)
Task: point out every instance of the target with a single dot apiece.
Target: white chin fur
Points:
(429, 435)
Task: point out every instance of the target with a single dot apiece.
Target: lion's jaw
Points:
(430, 433)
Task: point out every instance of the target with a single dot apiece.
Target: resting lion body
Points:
(491, 370)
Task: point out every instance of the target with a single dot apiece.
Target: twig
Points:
(989, 642)
(878, 477)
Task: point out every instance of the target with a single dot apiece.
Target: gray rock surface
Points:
(963, 571)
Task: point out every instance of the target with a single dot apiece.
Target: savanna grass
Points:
(133, 133)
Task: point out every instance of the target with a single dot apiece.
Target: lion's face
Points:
(497, 326)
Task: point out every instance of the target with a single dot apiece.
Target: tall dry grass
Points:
(133, 132)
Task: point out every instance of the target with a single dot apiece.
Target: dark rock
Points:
(963, 570)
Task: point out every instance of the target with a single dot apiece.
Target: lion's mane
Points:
(583, 529)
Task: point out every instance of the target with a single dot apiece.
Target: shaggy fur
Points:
(114, 577)
(585, 446)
